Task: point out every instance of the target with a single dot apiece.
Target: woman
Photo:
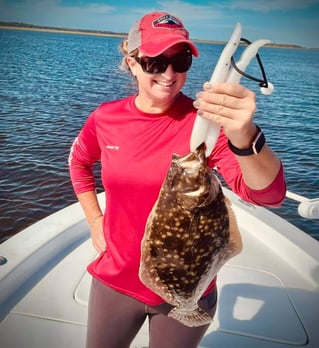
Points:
(134, 138)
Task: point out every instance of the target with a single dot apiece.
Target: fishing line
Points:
(262, 83)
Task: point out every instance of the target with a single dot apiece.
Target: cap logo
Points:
(168, 22)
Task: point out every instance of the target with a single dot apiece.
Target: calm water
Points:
(50, 82)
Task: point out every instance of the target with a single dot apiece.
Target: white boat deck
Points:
(268, 295)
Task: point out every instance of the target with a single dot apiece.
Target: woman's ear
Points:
(133, 65)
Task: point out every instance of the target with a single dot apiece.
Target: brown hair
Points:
(124, 49)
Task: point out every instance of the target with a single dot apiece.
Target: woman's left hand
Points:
(232, 106)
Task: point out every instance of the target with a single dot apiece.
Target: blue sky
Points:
(281, 21)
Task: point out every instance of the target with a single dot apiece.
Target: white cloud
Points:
(104, 17)
(97, 9)
(48, 10)
(271, 5)
(214, 20)
(188, 10)
(196, 17)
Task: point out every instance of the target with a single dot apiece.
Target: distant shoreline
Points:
(59, 30)
(30, 27)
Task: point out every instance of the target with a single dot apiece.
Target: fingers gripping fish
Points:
(191, 231)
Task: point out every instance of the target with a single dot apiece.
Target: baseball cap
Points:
(156, 32)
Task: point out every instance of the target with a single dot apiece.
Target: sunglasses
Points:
(181, 62)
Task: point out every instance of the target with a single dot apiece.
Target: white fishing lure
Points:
(205, 130)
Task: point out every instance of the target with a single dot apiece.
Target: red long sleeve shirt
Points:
(135, 150)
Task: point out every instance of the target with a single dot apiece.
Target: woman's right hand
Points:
(94, 217)
(97, 235)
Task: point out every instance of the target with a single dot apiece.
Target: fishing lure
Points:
(227, 70)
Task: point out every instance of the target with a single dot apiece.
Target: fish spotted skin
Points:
(190, 233)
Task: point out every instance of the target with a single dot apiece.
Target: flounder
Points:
(190, 234)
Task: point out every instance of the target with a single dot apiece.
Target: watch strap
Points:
(256, 146)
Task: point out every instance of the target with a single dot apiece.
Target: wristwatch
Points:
(256, 146)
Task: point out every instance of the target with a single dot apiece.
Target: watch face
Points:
(258, 143)
(255, 147)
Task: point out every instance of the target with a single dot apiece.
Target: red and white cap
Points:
(156, 32)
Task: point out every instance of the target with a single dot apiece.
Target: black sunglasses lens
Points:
(157, 65)
(154, 65)
(181, 62)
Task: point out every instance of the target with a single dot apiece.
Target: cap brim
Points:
(154, 48)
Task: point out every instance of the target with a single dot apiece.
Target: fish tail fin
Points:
(197, 317)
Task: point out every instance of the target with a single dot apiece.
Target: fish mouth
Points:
(195, 193)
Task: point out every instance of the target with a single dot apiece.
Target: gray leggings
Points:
(114, 319)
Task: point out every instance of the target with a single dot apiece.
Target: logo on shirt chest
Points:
(112, 147)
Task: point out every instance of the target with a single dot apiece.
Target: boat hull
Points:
(268, 294)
